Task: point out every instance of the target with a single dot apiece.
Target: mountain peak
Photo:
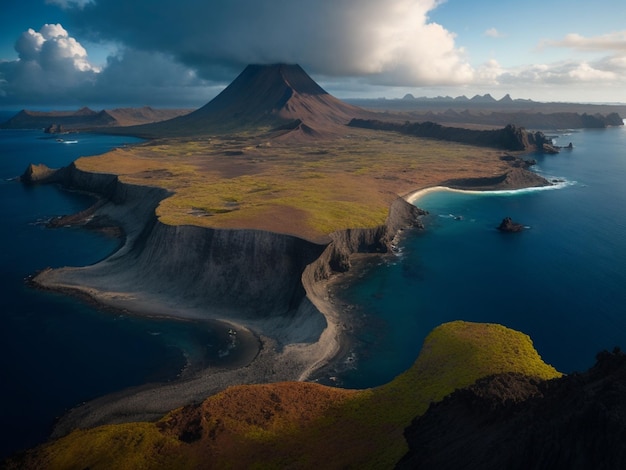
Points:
(483, 99)
(276, 96)
(293, 76)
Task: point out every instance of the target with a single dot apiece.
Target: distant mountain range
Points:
(283, 101)
(279, 98)
(86, 118)
(506, 99)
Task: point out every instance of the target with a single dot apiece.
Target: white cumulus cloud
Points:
(51, 48)
(493, 33)
(54, 68)
(615, 41)
(50, 63)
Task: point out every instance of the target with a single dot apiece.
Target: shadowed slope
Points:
(301, 425)
(264, 97)
(512, 421)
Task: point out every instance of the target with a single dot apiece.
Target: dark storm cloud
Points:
(183, 52)
(391, 42)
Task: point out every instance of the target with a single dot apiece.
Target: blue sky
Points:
(182, 53)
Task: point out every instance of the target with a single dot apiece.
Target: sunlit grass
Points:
(343, 183)
(303, 425)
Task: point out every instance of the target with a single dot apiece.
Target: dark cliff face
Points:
(508, 138)
(256, 273)
(516, 422)
(238, 274)
(336, 257)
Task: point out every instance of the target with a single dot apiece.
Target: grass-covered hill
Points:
(297, 424)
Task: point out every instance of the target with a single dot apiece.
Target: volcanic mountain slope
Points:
(516, 422)
(279, 97)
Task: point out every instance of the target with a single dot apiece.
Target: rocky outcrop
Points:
(259, 278)
(516, 422)
(39, 174)
(518, 162)
(508, 138)
(54, 129)
(507, 225)
(336, 257)
(515, 178)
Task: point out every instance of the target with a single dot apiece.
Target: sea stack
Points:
(507, 225)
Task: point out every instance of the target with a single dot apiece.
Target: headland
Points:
(248, 225)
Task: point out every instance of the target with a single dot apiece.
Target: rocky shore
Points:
(254, 281)
(271, 288)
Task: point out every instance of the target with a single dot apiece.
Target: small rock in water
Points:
(507, 225)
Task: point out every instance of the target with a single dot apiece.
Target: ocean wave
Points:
(451, 216)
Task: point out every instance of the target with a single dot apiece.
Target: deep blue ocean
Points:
(562, 281)
(56, 351)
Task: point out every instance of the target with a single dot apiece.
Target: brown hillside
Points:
(86, 119)
(300, 425)
(280, 97)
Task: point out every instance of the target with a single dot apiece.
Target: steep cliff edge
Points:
(508, 138)
(516, 422)
(243, 274)
(270, 283)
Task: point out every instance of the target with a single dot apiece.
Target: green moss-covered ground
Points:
(308, 189)
(301, 425)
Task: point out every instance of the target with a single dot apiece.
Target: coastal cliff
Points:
(254, 273)
(516, 422)
(508, 138)
(269, 283)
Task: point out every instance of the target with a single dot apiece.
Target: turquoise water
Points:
(57, 352)
(562, 281)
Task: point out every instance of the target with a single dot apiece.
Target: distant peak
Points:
(84, 111)
(278, 96)
(483, 99)
(291, 75)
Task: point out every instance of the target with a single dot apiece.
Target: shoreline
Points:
(264, 359)
(247, 350)
(286, 350)
(416, 195)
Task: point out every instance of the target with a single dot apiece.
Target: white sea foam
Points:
(560, 184)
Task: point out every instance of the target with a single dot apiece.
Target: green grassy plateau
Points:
(298, 424)
(307, 188)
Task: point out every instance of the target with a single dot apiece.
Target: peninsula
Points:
(245, 210)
